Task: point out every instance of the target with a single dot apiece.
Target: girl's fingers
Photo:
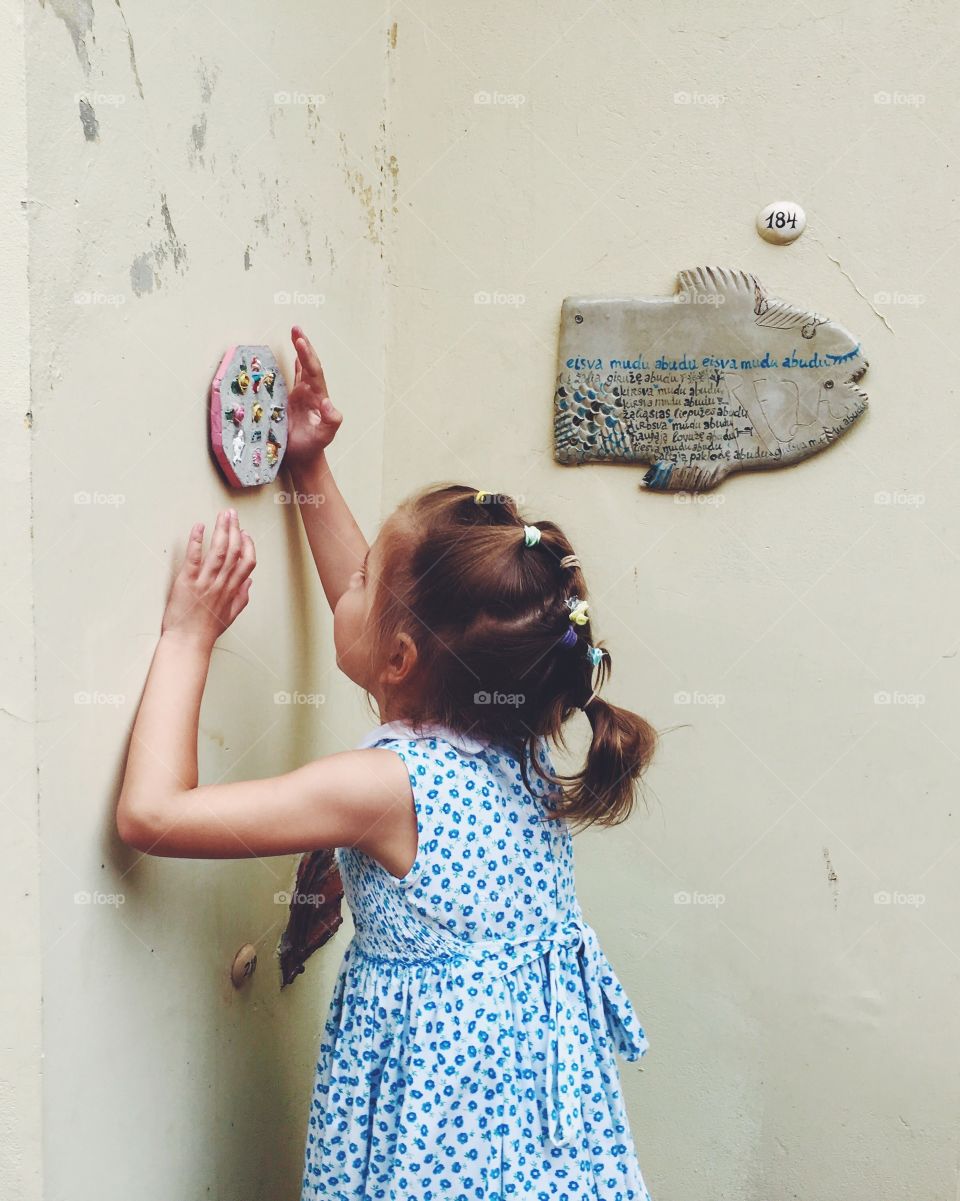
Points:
(328, 412)
(194, 556)
(299, 338)
(240, 601)
(308, 356)
(246, 562)
(219, 543)
(234, 547)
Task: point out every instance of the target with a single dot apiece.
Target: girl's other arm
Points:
(357, 798)
(336, 540)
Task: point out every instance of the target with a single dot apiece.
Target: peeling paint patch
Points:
(88, 119)
(247, 261)
(208, 81)
(831, 876)
(394, 168)
(174, 244)
(141, 275)
(360, 187)
(133, 53)
(393, 36)
(77, 15)
(198, 132)
(313, 120)
(198, 139)
(305, 226)
(144, 271)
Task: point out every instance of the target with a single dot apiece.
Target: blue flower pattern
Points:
(468, 1053)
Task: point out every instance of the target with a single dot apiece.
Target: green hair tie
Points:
(531, 535)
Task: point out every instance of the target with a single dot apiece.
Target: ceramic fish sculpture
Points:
(721, 377)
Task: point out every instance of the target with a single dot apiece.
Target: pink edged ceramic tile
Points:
(248, 416)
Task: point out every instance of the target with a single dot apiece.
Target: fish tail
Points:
(664, 476)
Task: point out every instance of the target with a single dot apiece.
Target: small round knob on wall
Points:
(244, 965)
(781, 222)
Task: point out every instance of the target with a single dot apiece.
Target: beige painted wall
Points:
(802, 1036)
(23, 942)
(802, 1032)
(156, 242)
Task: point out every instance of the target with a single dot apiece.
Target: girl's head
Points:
(459, 622)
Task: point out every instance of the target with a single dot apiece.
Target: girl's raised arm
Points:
(336, 541)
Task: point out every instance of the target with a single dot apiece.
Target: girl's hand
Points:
(211, 590)
(312, 419)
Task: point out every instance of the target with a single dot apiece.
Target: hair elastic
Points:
(594, 654)
(569, 637)
(478, 499)
(531, 535)
(578, 610)
(569, 561)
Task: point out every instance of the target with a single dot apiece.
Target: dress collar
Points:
(401, 729)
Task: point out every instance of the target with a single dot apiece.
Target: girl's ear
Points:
(402, 660)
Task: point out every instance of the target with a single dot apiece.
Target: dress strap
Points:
(576, 964)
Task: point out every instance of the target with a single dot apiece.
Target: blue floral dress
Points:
(469, 1048)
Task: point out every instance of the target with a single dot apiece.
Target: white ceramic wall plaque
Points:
(721, 377)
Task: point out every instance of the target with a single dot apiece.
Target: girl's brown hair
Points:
(487, 614)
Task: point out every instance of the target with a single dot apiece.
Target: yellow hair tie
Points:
(478, 499)
(578, 611)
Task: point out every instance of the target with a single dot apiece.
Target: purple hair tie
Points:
(569, 637)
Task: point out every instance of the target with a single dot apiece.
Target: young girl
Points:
(468, 1052)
